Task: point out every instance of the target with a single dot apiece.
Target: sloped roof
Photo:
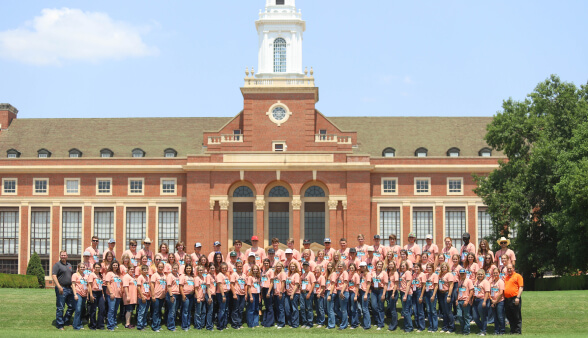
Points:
(154, 135)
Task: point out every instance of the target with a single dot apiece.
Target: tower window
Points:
(279, 55)
(280, 2)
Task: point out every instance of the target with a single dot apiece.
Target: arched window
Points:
(389, 152)
(279, 192)
(106, 153)
(279, 55)
(243, 191)
(138, 152)
(12, 153)
(421, 152)
(169, 152)
(314, 191)
(73, 153)
(453, 152)
(485, 152)
(43, 153)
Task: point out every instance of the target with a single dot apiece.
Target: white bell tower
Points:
(280, 28)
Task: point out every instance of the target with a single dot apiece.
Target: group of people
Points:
(344, 288)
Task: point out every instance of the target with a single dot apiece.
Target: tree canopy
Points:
(539, 196)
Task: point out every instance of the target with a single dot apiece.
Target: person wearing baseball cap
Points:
(217, 249)
(329, 252)
(432, 248)
(504, 250)
(111, 245)
(465, 293)
(290, 258)
(467, 247)
(413, 250)
(259, 252)
(197, 252)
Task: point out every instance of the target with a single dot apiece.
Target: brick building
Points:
(279, 168)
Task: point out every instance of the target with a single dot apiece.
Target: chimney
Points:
(7, 114)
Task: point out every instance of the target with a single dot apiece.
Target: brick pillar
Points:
(199, 214)
(55, 235)
(472, 228)
(260, 221)
(120, 232)
(335, 233)
(224, 225)
(87, 227)
(439, 235)
(152, 219)
(344, 217)
(23, 249)
(297, 231)
(405, 225)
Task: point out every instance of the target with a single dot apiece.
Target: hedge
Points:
(562, 283)
(18, 281)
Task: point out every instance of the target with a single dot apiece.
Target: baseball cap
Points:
(289, 251)
(217, 243)
(462, 271)
(352, 250)
(110, 241)
(305, 263)
(306, 241)
(363, 264)
(327, 240)
(198, 245)
(429, 236)
(465, 235)
(376, 236)
(251, 254)
(370, 248)
(271, 251)
(411, 234)
(87, 253)
(254, 238)
(233, 254)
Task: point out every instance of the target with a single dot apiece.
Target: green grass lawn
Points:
(25, 312)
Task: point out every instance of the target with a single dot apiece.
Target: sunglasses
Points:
(95, 240)
(133, 244)
(502, 242)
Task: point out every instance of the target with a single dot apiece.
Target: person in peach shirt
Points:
(146, 250)
(164, 252)
(187, 261)
(448, 250)
(497, 298)
(413, 250)
(253, 296)
(132, 253)
(237, 245)
(481, 304)
(279, 254)
(392, 294)
(379, 285)
(319, 295)
(158, 290)
(321, 261)
(430, 296)
(278, 285)
(173, 294)
(465, 293)
(483, 250)
(239, 291)
(432, 248)
(171, 260)
(352, 258)
(341, 286)
(114, 292)
(188, 286)
(292, 299)
(94, 251)
(144, 292)
(330, 282)
(108, 259)
(201, 298)
(129, 296)
(365, 279)
(306, 247)
(371, 258)
(307, 280)
(306, 257)
(354, 283)
(80, 289)
(209, 275)
(393, 247)
(471, 266)
(418, 292)
(488, 266)
(180, 253)
(249, 264)
(223, 287)
(329, 252)
(343, 249)
(379, 250)
(259, 252)
(267, 276)
(361, 247)
(446, 286)
(197, 252)
(111, 245)
(404, 288)
(295, 253)
(466, 247)
(504, 250)
(96, 299)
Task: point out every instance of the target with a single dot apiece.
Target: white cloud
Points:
(64, 34)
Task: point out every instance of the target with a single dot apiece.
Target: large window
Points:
(9, 186)
(41, 236)
(9, 240)
(455, 225)
(389, 186)
(136, 186)
(279, 192)
(279, 220)
(103, 227)
(314, 221)
(279, 55)
(136, 223)
(71, 231)
(168, 231)
(104, 186)
(243, 221)
(168, 186)
(41, 186)
(422, 186)
(389, 223)
(422, 224)
(484, 224)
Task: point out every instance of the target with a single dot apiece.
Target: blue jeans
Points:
(209, 312)
(378, 307)
(80, 304)
(392, 299)
(448, 319)
(481, 313)
(223, 315)
(237, 311)
(306, 313)
(366, 319)
(199, 314)
(112, 307)
(406, 307)
(352, 309)
(61, 300)
(431, 312)
(291, 310)
(343, 308)
(498, 311)
(187, 306)
(142, 313)
(97, 304)
(417, 309)
(268, 318)
(171, 311)
(463, 315)
(330, 310)
(279, 309)
(253, 311)
(320, 309)
(156, 315)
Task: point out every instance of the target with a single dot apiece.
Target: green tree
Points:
(541, 192)
(36, 269)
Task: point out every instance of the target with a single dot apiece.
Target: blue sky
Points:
(378, 58)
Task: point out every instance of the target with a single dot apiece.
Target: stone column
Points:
(297, 231)
(260, 220)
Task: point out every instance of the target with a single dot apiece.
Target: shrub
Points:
(562, 283)
(36, 269)
(18, 281)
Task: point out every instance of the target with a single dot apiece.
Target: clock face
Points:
(279, 113)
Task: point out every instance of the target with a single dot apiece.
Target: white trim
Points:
(271, 116)
(283, 143)
(395, 179)
(462, 187)
(429, 186)
(65, 186)
(398, 205)
(4, 193)
(142, 179)
(35, 190)
(175, 192)
(98, 193)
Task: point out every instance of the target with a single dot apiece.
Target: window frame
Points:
(35, 180)
(284, 147)
(142, 180)
(420, 150)
(43, 151)
(449, 192)
(383, 189)
(428, 192)
(161, 189)
(138, 151)
(98, 193)
(389, 150)
(453, 150)
(65, 192)
(281, 63)
(485, 150)
(74, 151)
(12, 151)
(4, 193)
(105, 151)
(171, 151)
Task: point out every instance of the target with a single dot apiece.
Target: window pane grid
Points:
(389, 186)
(279, 192)
(103, 227)
(10, 186)
(484, 224)
(279, 55)
(103, 186)
(71, 231)
(455, 185)
(168, 186)
(422, 224)
(168, 227)
(9, 265)
(41, 186)
(314, 221)
(389, 223)
(136, 220)
(314, 191)
(9, 232)
(279, 220)
(422, 186)
(243, 221)
(40, 232)
(455, 225)
(243, 191)
(136, 186)
(72, 186)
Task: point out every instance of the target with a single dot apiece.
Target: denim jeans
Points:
(291, 310)
(306, 313)
(481, 313)
(378, 307)
(223, 315)
(199, 313)
(253, 311)
(330, 310)
(279, 310)
(112, 307)
(352, 310)
(97, 304)
(156, 315)
(268, 318)
(366, 319)
(171, 311)
(406, 307)
(142, 313)
(431, 311)
(67, 298)
(209, 312)
(237, 306)
(343, 308)
(320, 309)
(498, 311)
(80, 304)
(417, 309)
(463, 316)
(187, 306)
(392, 300)
(448, 319)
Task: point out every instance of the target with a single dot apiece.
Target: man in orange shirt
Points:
(513, 289)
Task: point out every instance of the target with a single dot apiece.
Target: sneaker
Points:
(308, 327)
(156, 331)
(319, 326)
(352, 328)
(418, 331)
(186, 330)
(279, 327)
(379, 328)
